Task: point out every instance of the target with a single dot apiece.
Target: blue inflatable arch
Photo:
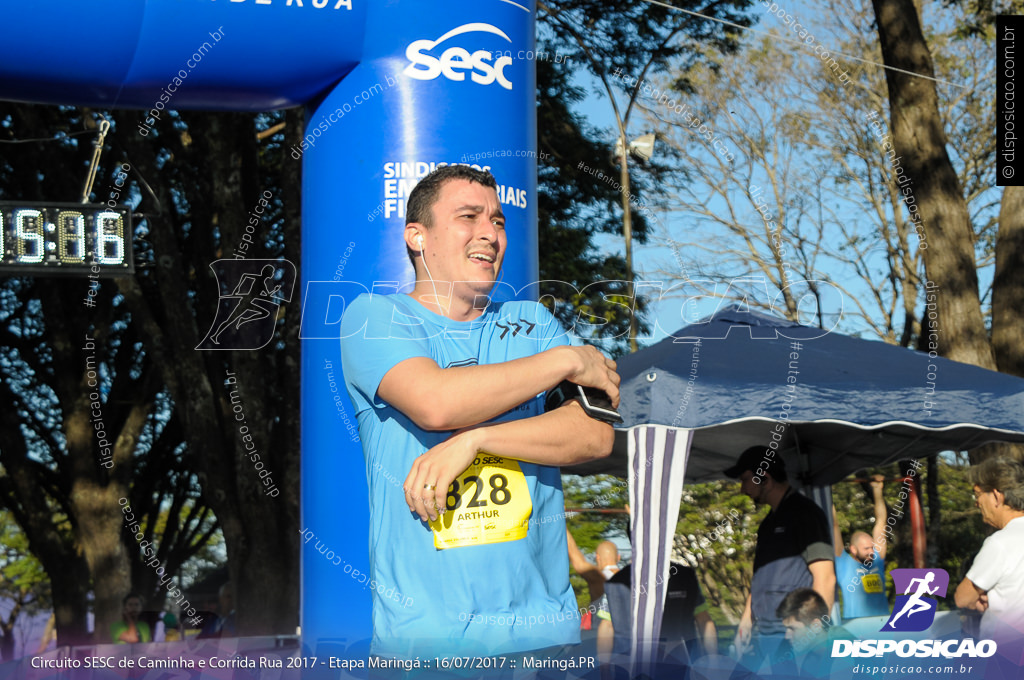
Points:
(392, 89)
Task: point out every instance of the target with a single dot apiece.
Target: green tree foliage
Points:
(581, 193)
(584, 287)
(716, 535)
(24, 584)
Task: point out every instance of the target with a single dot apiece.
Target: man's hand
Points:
(877, 483)
(596, 370)
(743, 631)
(742, 640)
(130, 634)
(565, 436)
(437, 468)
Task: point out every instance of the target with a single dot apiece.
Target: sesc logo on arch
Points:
(455, 62)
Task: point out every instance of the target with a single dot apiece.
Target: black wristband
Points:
(595, 402)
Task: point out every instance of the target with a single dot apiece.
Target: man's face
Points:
(747, 485)
(860, 548)
(132, 608)
(986, 502)
(801, 636)
(466, 242)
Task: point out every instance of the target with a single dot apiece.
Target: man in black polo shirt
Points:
(794, 550)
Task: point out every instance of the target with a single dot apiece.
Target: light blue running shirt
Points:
(862, 589)
(506, 596)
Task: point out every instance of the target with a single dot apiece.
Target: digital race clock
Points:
(65, 238)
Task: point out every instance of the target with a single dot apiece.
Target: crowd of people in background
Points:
(138, 625)
(807, 581)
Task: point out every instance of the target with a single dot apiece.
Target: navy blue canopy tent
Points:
(827, 403)
(848, 403)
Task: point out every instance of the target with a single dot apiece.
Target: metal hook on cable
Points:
(94, 164)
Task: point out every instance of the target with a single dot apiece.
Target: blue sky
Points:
(671, 314)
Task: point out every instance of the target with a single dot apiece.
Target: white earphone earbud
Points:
(419, 240)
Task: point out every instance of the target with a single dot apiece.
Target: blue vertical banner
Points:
(440, 83)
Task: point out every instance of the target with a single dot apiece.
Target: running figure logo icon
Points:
(914, 610)
(250, 295)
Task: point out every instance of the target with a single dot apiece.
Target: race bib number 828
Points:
(488, 503)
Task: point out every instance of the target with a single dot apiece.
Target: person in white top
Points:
(994, 585)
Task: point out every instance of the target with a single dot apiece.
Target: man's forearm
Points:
(565, 436)
(967, 595)
(837, 536)
(452, 398)
(604, 642)
(823, 575)
(577, 560)
(743, 631)
(708, 633)
(878, 532)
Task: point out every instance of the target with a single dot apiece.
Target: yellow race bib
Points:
(872, 583)
(488, 503)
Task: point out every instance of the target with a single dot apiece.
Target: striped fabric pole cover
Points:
(657, 464)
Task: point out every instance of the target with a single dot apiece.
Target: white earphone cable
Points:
(437, 299)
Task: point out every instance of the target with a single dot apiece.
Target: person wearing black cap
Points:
(794, 550)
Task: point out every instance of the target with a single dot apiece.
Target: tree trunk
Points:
(1008, 284)
(260, 532)
(70, 601)
(934, 510)
(100, 519)
(920, 144)
(93, 490)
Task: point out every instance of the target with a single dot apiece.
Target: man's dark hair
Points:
(775, 468)
(424, 195)
(130, 596)
(805, 605)
(760, 460)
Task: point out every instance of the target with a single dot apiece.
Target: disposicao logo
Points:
(455, 61)
(914, 611)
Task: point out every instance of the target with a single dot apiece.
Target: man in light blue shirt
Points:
(449, 388)
(860, 573)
